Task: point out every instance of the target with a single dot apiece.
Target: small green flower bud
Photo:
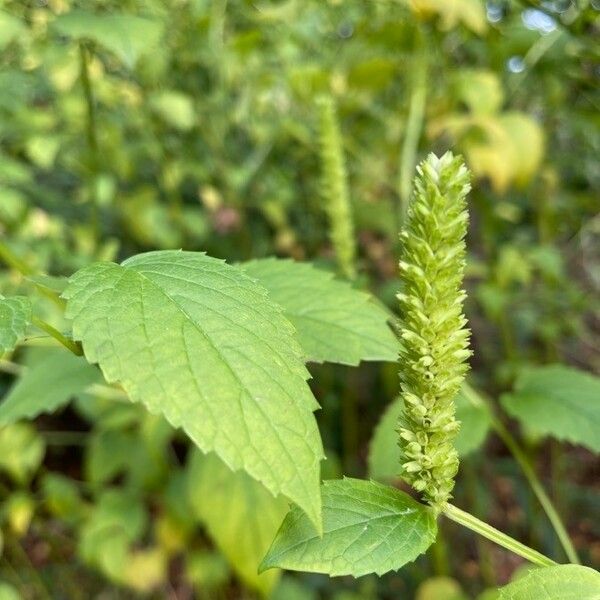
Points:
(435, 339)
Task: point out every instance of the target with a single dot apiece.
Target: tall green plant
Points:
(434, 334)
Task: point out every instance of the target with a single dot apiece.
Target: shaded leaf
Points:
(334, 322)
(559, 401)
(367, 528)
(240, 515)
(46, 385)
(201, 343)
(128, 36)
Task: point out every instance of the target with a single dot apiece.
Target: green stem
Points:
(91, 129)
(19, 265)
(439, 550)
(14, 262)
(414, 124)
(536, 485)
(483, 550)
(491, 533)
(534, 55)
(74, 347)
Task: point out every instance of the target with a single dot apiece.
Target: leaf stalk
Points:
(491, 533)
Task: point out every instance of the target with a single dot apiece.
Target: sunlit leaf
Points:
(201, 343)
(367, 528)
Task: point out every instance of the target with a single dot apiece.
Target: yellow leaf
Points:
(506, 148)
(480, 90)
(470, 13)
(527, 138)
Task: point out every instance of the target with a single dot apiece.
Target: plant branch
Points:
(74, 347)
(491, 533)
(14, 262)
(536, 485)
(91, 129)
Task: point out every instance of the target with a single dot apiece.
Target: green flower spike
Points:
(335, 188)
(434, 336)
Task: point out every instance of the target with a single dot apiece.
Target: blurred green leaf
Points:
(62, 497)
(453, 12)
(46, 385)
(480, 90)
(11, 28)
(115, 522)
(127, 36)
(240, 515)
(174, 108)
(8, 592)
(440, 588)
(21, 451)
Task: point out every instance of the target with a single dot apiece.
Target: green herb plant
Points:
(219, 351)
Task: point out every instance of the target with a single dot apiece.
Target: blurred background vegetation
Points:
(131, 125)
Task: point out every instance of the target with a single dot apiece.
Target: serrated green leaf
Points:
(201, 343)
(367, 528)
(563, 582)
(15, 314)
(128, 36)
(46, 385)
(240, 515)
(334, 322)
(559, 401)
(384, 452)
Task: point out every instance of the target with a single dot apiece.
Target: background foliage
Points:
(144, 124)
